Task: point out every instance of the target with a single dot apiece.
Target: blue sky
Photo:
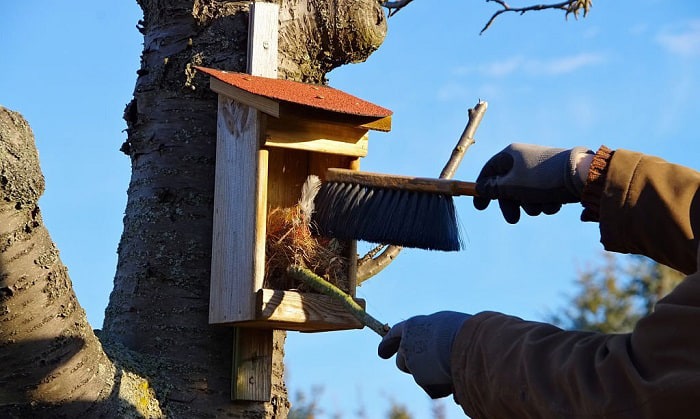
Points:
(626, 76)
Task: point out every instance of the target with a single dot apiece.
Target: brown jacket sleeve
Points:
(504, 367)
(651, 207)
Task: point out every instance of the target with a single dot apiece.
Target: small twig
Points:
(465, 141)
(326, 288)
(571, 7)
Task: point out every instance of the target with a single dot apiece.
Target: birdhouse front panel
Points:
(272, 135)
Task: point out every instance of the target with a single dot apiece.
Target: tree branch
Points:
(571, 7)
(370, 265)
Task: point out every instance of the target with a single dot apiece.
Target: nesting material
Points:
(291, 242)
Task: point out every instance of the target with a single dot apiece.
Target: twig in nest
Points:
(326, 288)
(571, 7)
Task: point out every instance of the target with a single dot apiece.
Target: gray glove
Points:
(423, 347)
(538, 179)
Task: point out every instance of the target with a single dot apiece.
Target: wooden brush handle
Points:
(407, 183)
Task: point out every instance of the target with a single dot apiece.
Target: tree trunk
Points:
(159, 306)
(52, 362)
(157, 355)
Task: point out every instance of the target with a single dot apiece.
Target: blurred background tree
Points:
(613, 296)
(306, 406)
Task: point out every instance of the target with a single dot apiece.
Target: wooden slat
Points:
(232, 265)
(317, 136)
(253, 348)
(321, 145)
(352, 266)
(262, 39)
(304, 311)
(260, 220)
(252, 365)
(383, 124)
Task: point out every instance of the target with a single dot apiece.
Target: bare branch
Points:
(371, 265)
(571, 7)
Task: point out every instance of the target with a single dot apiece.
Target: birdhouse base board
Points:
(299, 311)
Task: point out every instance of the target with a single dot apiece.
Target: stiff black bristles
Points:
(349, 211)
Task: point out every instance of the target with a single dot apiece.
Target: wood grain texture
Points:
(234, 228)
(260, 220)
(287, 171)
(408, 183)
(322, 145)
(313, 135)
(305, 311)
(263, 39)
(252, 365)
(253, 349)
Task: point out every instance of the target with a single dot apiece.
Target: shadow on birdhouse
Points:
(274, 137)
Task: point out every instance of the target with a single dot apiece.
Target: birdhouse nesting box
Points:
(272, 135)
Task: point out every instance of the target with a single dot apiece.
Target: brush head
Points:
(349, 211)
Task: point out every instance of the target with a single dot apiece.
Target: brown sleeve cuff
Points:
(595, 183)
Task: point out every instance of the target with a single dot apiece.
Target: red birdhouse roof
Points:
(314, 96)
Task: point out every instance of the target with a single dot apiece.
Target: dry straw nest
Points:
(290, 242)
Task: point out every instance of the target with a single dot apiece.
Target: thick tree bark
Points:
(52, 362)
(159, 305)
(157, 355)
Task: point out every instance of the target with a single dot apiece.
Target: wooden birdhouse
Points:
(271, 135)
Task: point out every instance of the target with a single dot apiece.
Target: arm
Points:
(646, 206)
(505, 367)
(502, 366)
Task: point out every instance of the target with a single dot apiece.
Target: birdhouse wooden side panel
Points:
(237, 263)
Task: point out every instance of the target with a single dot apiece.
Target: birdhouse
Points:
(272, 135)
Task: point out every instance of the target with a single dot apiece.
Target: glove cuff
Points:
(593, 191)
(574, 183)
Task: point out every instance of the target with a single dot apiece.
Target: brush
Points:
(389, 209)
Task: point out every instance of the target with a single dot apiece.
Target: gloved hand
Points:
(538, 179)
(423, 347)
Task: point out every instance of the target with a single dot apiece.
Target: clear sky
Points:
(626, 76)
